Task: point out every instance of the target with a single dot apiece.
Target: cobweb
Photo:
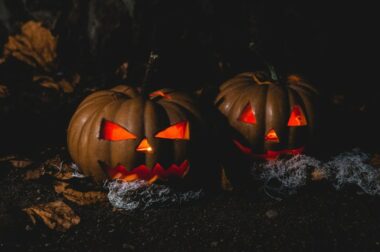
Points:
(291, 174)
(141, 195)
(349, 168)
(354, 168)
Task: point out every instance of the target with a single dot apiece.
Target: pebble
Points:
(128, 246)
(271, 214)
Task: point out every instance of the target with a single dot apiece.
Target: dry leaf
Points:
(58, 169)
(34, 173)
(35, 46)
(66, 86)
(20, 163)
(7, 158)
(80, 198)
(51, 85)
(61, 85)
(375, 160)
(56, 215)
(3, 91)
(122, 71)
(225, 182)
(318, 174)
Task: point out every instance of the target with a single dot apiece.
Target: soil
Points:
(317, 218)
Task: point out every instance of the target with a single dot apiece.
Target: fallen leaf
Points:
(51, 85)
(318, 174)
(58, 169)
(122, 71)
(66, 86)
(35, 46)
(3, 91)
(20, 163)
(35, 173)
(375, 160)
(7, 158)
(80, 198)
(56, 215)
(61, 85)
(225, 182)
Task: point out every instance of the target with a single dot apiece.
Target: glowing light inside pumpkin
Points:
(272, 136)
(144, 146)
(297, 117)
(179, 130)
(248, 115)
(149, 174)
(114, 132)
(159, 93)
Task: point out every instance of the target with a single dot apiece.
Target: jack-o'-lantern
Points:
(124, 134)
(269, 117)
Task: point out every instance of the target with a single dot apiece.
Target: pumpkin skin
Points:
(120, 133)
(268, 118)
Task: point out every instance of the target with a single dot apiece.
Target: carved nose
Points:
(272, 136)
(144, 146)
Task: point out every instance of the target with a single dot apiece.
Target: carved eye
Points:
(113, 132)
(179, 130)
(297, 117)
(248, 115)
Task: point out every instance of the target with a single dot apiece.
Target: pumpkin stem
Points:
(272, 71)
(149, 69)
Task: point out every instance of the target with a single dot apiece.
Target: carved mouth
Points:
(269, 155)
(142, 172)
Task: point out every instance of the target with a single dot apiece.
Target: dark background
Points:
(201, 43)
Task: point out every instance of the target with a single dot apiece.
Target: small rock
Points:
(271, 214)
(128, 246)
(214, 244)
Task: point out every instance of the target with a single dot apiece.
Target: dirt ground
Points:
(317, 218)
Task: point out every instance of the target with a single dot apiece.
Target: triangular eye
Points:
(297, 117)
(113, 132)
(248, 115)
(179, 130)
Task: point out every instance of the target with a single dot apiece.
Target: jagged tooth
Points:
(158, 170)
(184, 165)
(142, 172)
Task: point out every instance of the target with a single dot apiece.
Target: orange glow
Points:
(248, 115)
(144, 146)
(153, 179)
(149, 174)
(272, 136)
(114, 132)
(159, 93)
(297, 117)
(131, 177)
(179, 130)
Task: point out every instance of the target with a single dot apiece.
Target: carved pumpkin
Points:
(269, 118)
(123, 134)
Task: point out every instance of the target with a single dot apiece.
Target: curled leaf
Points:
(225, 182)
(35, 46)
(80, 198)
(62, 85)
(3, 91)
(35, 173)
(56, 215)
(20, 163)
